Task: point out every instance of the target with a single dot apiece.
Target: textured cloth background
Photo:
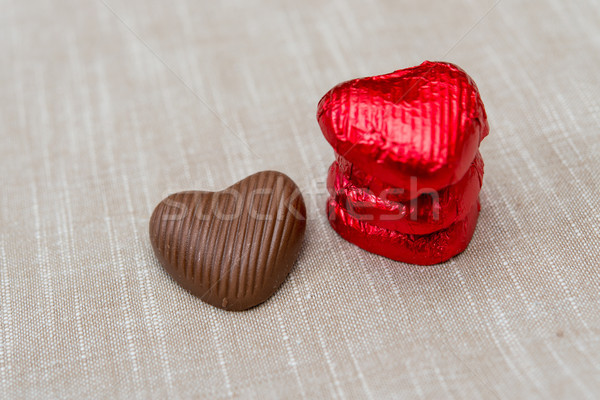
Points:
(107, 107)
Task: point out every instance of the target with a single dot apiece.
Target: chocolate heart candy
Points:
(233, 248)
(424, 122)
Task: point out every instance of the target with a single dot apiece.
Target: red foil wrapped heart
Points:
(424, 214)
(424, 122)
(429, 249)
(398, 138)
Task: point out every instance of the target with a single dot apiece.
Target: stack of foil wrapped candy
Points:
(406, 179)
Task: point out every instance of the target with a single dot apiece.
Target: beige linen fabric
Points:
(108, 107)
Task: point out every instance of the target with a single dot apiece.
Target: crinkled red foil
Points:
(377, 186)
(424, 214)
(429, 249)
(424, 122)
(397, 137)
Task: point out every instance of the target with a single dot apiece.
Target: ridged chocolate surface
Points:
(233, 248)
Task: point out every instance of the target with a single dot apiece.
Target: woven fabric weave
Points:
(108, 106)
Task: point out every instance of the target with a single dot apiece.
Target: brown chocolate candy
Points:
(233, 248)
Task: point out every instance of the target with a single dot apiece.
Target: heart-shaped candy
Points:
(233, 248)
(427, 249)
(424, 122)
(422, 215)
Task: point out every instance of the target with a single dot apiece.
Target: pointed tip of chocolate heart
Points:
(233, 248)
